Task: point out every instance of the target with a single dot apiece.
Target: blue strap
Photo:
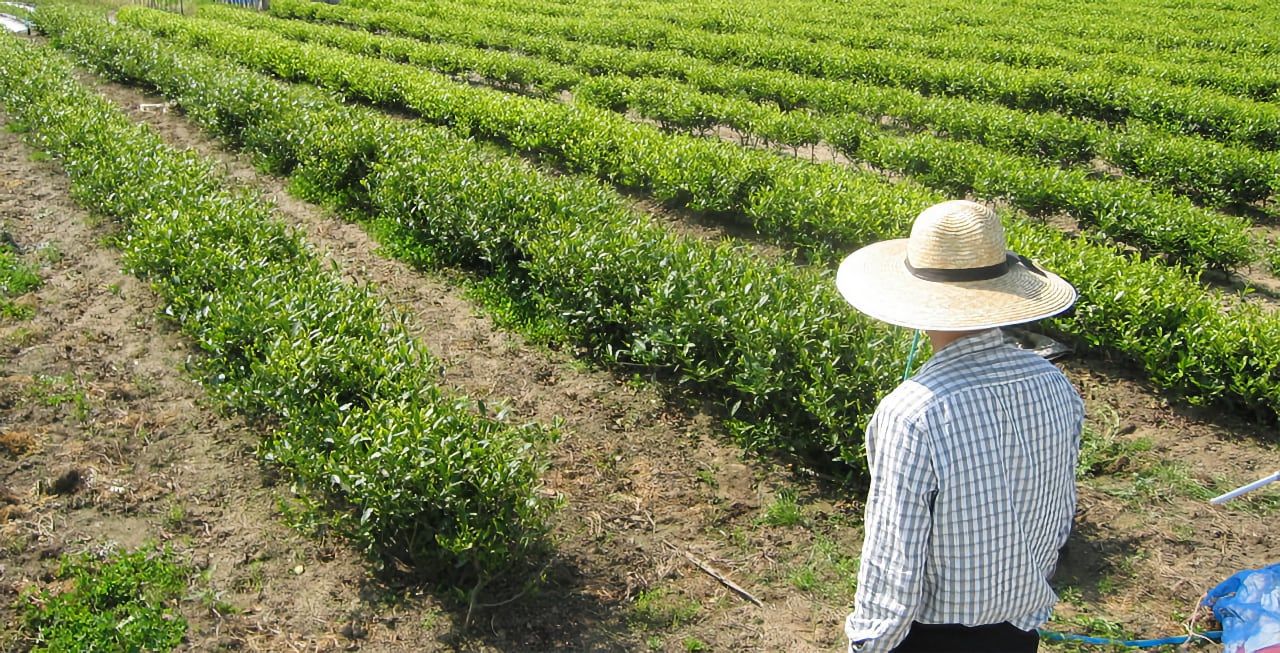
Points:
(1213, 635)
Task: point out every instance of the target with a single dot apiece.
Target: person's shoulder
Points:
(1034, 364)
(995, 366)
(908, 401)
(900, 418)
(1030, 367)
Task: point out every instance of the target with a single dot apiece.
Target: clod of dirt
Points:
(354, 630)
(17, 443)
(11, 388)
(122, 392)
(69, 482)
(11, 512)
(7, 242)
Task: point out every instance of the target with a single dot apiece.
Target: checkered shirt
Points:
(972, 493)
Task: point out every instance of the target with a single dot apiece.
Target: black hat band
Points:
(972, 274)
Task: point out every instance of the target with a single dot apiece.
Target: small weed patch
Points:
(784, 511)
(16, 279)
(1161, 482)
(1103, 450)
(828, 572)
(1091, 626)
(695, 645)
(659, 609)
(124, 602)
(60, 390)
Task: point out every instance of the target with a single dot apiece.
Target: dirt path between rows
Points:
(107, 444)
(636, 473)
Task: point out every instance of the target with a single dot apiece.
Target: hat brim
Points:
(876, 281)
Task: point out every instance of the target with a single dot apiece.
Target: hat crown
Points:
(956, 235)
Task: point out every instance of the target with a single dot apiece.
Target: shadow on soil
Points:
(1241, 422)
(548, 608)
(1090, 556)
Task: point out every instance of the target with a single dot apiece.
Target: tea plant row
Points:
(862, 27)
(1183, 33)
(1203, 169)
(797, 369)
(1123, 209)
(1120, 210)
(1092, 94)
(350, 397)
(1170, 31)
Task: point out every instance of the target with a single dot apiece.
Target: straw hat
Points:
(952, 274)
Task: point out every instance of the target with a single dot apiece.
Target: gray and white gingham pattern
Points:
(972, 493)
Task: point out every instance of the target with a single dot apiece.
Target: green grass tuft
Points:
(124, 602)
(16, 279)
(784, 511)
(659, 609)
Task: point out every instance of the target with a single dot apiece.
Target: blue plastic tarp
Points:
(1248, 606)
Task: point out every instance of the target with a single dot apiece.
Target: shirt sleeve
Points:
(896, 533)
(1077, 426)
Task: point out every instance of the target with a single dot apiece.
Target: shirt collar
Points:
(982, 341)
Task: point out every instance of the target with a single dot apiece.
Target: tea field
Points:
(401, 325)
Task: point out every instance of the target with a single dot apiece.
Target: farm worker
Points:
(973, 458)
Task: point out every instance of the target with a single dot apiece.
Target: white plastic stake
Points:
(1246, 489)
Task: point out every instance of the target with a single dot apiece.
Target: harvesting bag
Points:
(1248, 606)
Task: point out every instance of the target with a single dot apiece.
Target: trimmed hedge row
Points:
(501, 68)
(795, 368)
(1102, 95)
(1250, 77)
(1198, 343)
(697, 173)
(356, 415)
(605, 144)
(1122, 209)
(1205, 170)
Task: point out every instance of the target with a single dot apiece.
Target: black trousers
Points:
(953, 638)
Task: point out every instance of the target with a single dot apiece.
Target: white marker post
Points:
(1246, 489)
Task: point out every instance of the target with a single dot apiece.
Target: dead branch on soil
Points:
(737, 589)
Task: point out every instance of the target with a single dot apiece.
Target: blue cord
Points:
(1213, 635)
(911, 357)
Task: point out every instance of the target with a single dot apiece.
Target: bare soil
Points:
(644, 480)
